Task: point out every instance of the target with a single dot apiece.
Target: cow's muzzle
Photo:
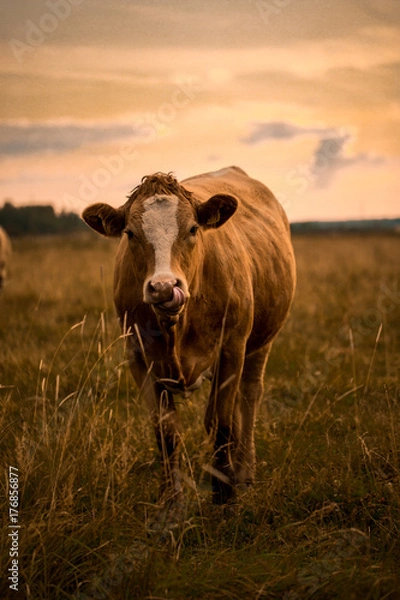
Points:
(165, 295)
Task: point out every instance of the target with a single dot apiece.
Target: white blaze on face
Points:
(160, 226)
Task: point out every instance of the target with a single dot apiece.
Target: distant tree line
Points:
(350, 226)
(37, 220)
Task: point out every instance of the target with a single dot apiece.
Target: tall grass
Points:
(323, 519)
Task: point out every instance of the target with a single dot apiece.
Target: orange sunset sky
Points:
(302, 94)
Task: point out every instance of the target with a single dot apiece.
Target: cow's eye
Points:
(193, 230)
(129, 233)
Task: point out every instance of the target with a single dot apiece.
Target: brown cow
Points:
(5, 255)
(204, 278)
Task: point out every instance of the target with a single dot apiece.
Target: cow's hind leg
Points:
(248, 400)
(220, 422)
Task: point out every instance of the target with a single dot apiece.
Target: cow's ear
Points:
(216, 211)
(105, 219)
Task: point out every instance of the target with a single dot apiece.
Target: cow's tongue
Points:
(177, 300)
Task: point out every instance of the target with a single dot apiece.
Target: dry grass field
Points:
(322, 521)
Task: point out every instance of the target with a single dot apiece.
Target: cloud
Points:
(23, 139)
(173, 23)
(331, 155)
(387, 11)
(279, 130)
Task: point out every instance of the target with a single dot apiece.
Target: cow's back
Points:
(258, 237)
(252, 194)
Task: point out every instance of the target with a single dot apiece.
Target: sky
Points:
(304, 95)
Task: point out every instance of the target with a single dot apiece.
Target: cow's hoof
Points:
(223, 491)
(244, 486)
(170, 515)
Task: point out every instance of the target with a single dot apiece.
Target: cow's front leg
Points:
(165, 423)
(220, 422)
(172, 499)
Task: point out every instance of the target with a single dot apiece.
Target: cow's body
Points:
(5, 255)
(204, 279)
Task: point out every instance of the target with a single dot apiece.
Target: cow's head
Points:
(163, 224)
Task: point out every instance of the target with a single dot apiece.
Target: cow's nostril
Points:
(152, 286)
